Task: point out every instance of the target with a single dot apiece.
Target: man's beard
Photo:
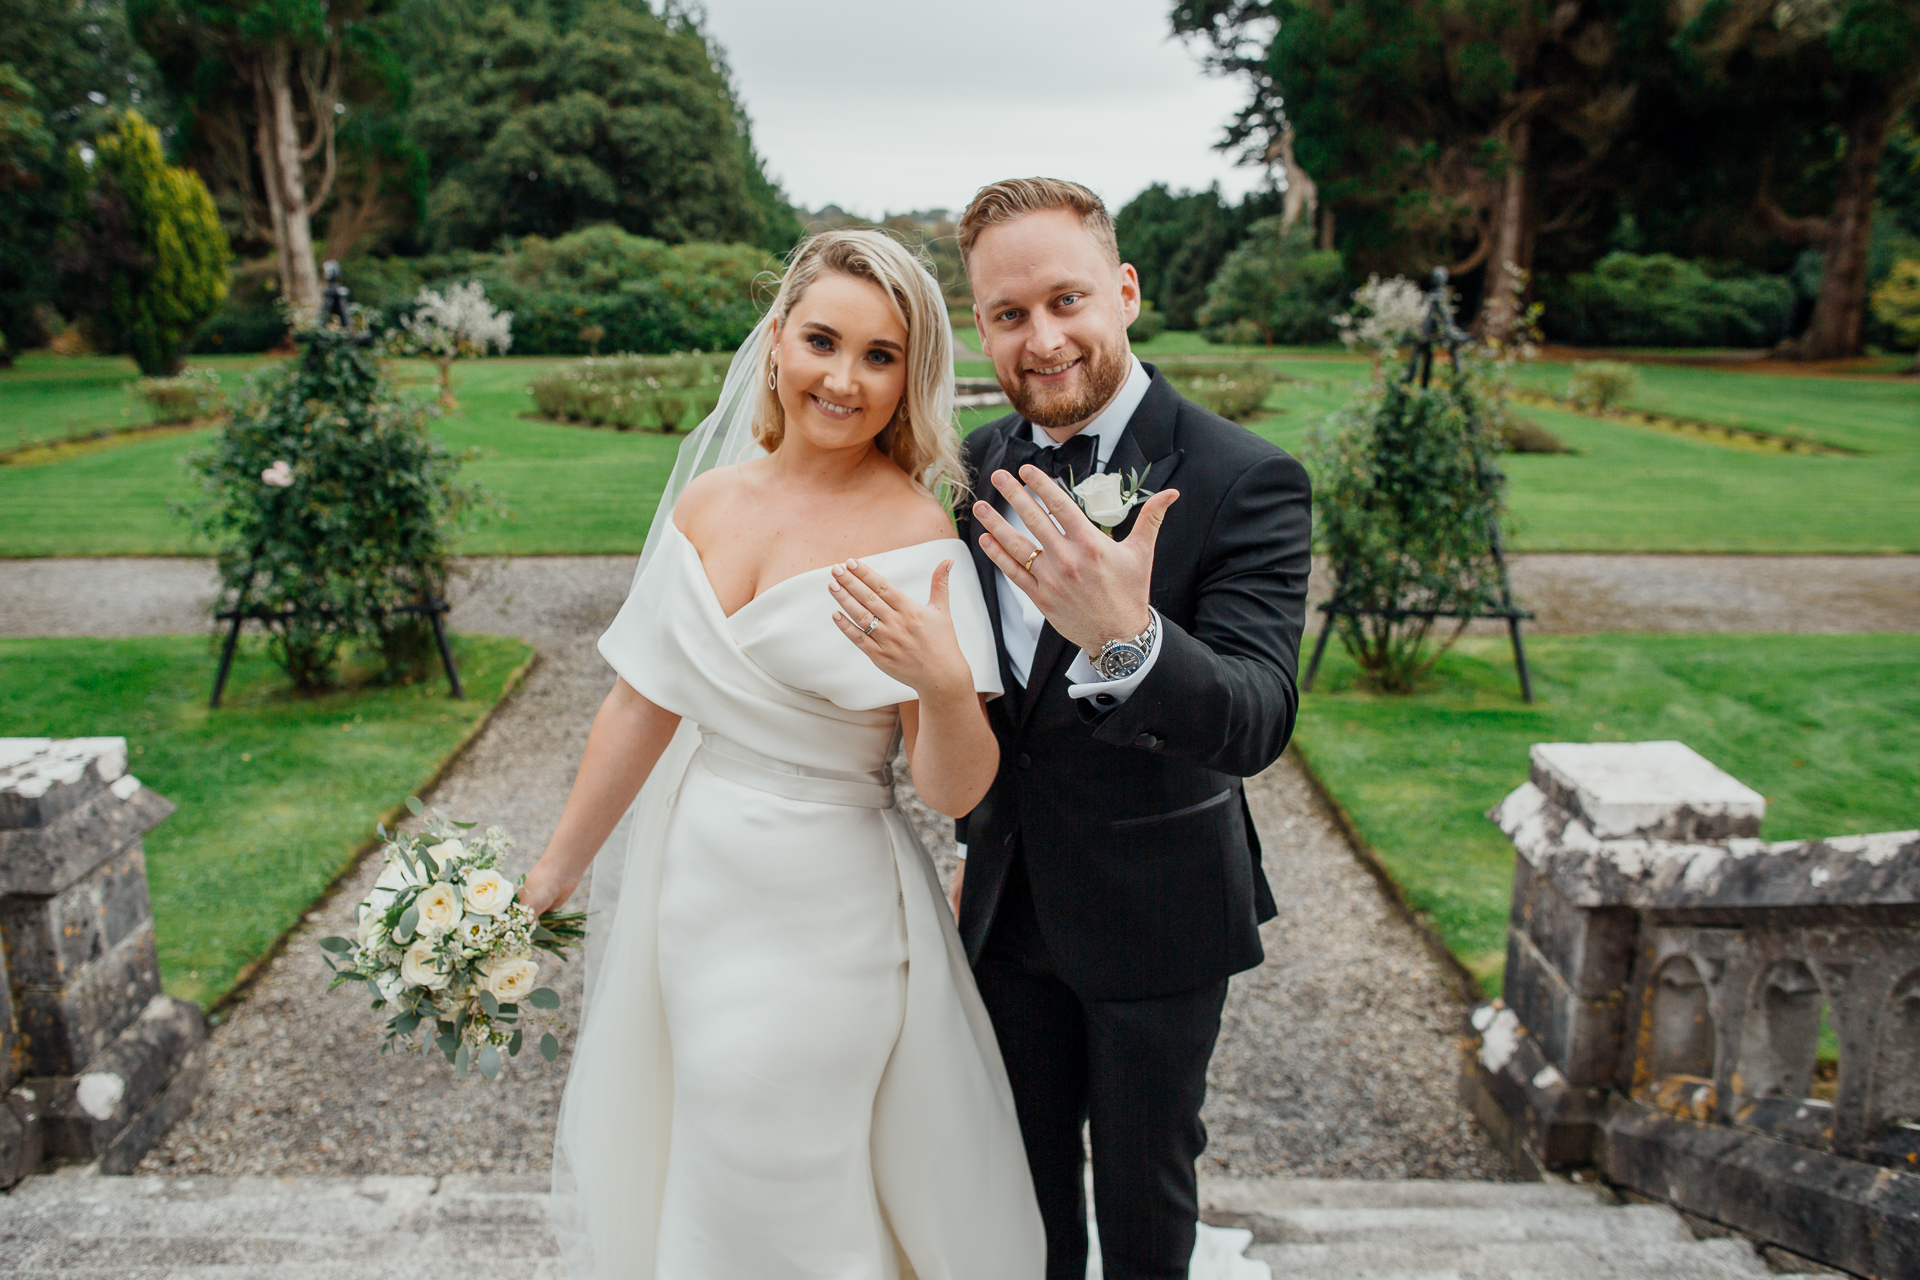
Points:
(1106, 369)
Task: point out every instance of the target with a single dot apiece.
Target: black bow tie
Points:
(1075, 458)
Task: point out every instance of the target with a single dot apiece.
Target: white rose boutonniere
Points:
(488, 892)
(1106, 498)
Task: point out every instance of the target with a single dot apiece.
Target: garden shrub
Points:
(1148, 325)
(1600, 384)
(659, 393)
(190, 394)
(1407, 498)
(1235, 391)
(1896, 304)
(644, 296)
(1630, 300)
(332, 506)
(1276, 286)
(149, 262)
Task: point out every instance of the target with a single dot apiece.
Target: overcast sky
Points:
(885, 106)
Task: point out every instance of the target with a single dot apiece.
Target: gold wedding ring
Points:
(1028, 566)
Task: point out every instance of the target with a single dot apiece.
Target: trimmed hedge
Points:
(1656, 300)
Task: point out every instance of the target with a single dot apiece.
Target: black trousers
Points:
(1133, 1072)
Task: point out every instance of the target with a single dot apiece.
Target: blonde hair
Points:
(1015, 198)
(920, 438)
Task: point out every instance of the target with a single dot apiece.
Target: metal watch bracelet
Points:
(1140, 644)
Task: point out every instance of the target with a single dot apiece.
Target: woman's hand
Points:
(914, 643)
(544, 889)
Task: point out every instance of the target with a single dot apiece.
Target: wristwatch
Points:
(1119, 659)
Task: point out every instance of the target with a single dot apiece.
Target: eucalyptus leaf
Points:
(408, 919)
(406, 1023)
(460, 1063)
(339, 946)
(413, 803)
(543, 998)
(549, 1047)
(490, 1004)
(489, 1061)
(513, 1045)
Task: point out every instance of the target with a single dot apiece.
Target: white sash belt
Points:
(727, 759)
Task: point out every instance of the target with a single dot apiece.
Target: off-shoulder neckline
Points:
(714, 595)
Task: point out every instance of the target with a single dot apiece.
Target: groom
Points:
(1112, 879)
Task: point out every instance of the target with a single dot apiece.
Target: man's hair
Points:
(1015, 198)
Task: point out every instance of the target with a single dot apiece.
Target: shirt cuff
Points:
(1085, 682)
(960, 852)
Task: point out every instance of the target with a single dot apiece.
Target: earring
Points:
(773, 378)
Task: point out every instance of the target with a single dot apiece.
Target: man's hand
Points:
(1090, 587)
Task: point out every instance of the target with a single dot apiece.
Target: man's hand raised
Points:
(1092, 588)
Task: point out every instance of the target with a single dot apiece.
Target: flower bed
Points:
(629, 393)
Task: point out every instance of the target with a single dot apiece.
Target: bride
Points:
(784, 1069)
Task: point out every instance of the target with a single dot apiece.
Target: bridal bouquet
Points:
(443, 940)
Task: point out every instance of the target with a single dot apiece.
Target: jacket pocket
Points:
(1211, 802)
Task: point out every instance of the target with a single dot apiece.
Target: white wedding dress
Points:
(784, 1069)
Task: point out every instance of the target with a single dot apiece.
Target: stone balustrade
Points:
(1671, 978)
(95, 1063)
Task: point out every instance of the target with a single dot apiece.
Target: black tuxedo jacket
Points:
(1139, 847)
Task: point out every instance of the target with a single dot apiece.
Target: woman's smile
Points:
(833, 410)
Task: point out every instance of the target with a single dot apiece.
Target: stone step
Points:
(1417, 1229)
(76, 1226)
(1391, 1259)
(1279, 1195)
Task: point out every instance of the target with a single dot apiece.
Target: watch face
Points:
(1121, 661)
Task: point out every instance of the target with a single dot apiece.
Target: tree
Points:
(154, 259)
(66, 67)
(1436, 131)
(539, 122)
(1832, 76)
(445, 327)
(1177, 243)
(265, 84)
(1275, 287)
(31, 179)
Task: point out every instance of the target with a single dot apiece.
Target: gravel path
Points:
(1337, 1057)
(1571, 594)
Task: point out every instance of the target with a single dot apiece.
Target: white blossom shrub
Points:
(1386, 315)
(459, 324)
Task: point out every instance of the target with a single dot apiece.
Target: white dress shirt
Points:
(1021, 619)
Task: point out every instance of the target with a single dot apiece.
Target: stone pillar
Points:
(97, 1062)
(1551, 1047)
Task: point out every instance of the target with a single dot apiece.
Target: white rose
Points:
(439, 910)
(1100, 497)
(509, 980)
(488, 892)
(448, 851)
(421, 966)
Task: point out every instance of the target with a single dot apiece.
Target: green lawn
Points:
(1823, 726)
(46, 398)
(1876, 416)
(578, 490)
(275, 791)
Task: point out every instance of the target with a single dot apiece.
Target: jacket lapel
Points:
(1146, 446)
(991, 458)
